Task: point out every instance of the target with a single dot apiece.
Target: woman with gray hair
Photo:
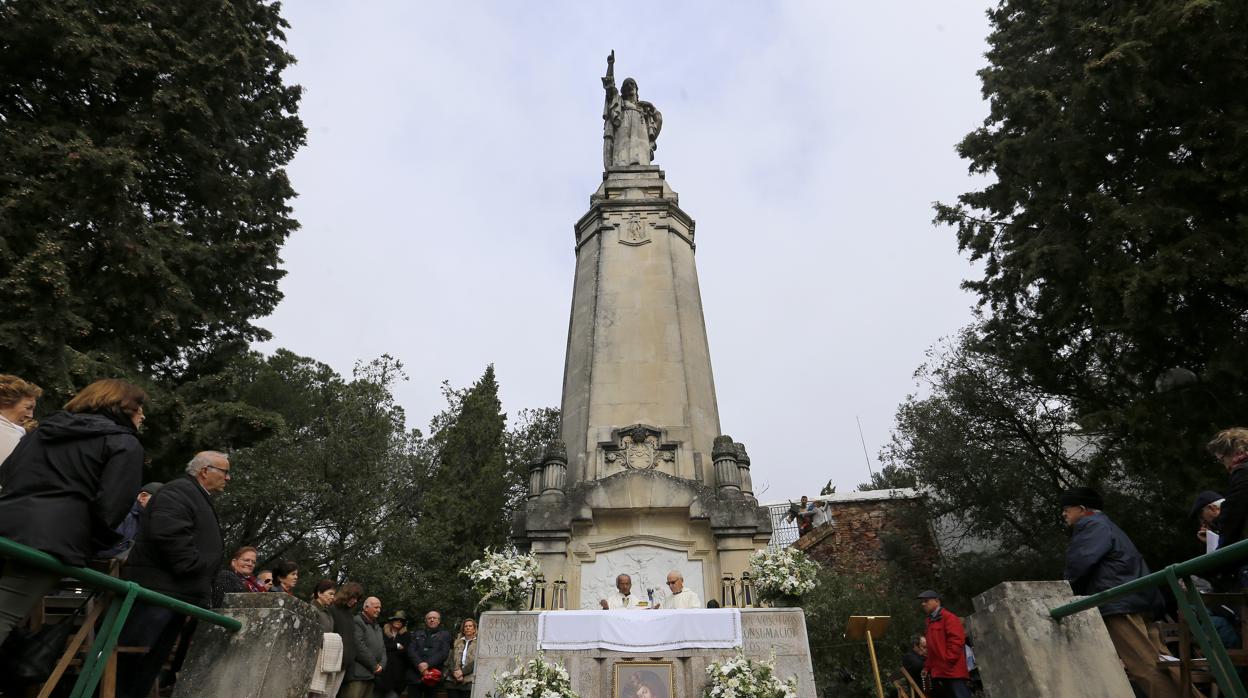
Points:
(17, 409)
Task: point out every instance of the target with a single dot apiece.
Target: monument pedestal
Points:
(508, 638)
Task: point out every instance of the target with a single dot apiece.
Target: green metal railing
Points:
(115, 618)
(1190, 605)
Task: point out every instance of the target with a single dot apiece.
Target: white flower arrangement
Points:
(536, 678)
(505, 579)
(740, 677)
(783, 572)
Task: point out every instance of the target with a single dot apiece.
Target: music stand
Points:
(868, 628)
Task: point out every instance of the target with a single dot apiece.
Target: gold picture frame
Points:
(643, 680)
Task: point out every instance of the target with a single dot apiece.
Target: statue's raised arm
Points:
(630, 126)
(608, 80)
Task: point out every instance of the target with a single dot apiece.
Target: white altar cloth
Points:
(655, 630)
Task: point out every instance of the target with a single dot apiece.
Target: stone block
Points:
(1022, 651)
(511, 637)
(272, 656)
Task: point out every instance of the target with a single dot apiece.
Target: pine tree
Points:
(1111, 229)
(463, 499)
(143, 199)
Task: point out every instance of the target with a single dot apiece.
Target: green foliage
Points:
(995, 451)
(1110, 235)
(890, 476)
(463, 499)
(143, 199)
(470, 474)
(339, 485)
(332, 483)
(842, 666)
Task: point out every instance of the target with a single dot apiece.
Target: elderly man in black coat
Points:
(177, 553)
(427, 652)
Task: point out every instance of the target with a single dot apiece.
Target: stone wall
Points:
(869, 528)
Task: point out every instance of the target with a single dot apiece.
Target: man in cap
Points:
(946, 649)
(1205, 510)
(1100, 556)
(129, 526)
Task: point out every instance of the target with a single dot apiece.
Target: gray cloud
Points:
(452, 146)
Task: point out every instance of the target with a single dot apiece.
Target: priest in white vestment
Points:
(680, 597)
(621, 598)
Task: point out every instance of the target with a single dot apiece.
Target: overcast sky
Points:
(451, 147)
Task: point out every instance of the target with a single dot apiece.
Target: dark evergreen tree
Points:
(463, 498)
(1111, 230)
(143, 199)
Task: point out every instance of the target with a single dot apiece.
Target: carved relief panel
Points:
(634, 230)
(637, 447)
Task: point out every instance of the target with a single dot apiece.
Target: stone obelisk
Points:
(642, 482)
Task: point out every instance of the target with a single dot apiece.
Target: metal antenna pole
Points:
(864, 447)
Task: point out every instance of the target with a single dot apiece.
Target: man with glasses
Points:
(679, 597)
(177, 553)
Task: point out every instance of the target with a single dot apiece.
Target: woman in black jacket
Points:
(343, 612)
(68, 486)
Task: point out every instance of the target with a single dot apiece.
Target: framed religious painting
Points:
(642, 680)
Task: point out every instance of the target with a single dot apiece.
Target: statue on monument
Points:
(630, 126)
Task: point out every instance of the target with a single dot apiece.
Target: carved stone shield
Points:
(634, 231)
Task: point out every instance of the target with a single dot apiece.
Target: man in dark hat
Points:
(946, 649)
(129, 526)
(1205, 510)
(1101, 556)
(393, 678)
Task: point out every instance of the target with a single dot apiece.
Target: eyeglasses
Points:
(672, 582)
(223, 471)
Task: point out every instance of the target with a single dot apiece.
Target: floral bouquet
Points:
(503, 579)
(745, 678)
(536, 678)
(783, 574)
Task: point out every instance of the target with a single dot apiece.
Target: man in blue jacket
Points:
(1100, 556)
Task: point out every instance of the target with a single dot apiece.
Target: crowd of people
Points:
(71, 486)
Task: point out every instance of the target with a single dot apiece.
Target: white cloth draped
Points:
(329, 669)
(659, 630)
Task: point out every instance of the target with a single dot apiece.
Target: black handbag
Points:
(31, 657)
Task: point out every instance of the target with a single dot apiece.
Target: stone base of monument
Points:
(272, 656)
(510, 637)
(1023, 652)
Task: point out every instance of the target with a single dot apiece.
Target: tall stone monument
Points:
(643, 481)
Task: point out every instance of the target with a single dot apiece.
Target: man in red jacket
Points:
(946, 649)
